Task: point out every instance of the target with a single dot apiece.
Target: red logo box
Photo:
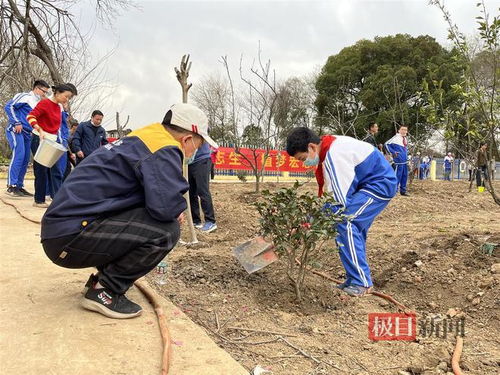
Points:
(392, 326)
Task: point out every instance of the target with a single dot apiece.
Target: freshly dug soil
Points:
(424, 250)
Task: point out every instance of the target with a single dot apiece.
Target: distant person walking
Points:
(398, 147)
(46, 119)
(18, 134)
(89, 136)
(482, 165)
(370, 137)
(448, 164)
(199, 168)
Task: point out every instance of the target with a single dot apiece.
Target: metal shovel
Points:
(255, 254)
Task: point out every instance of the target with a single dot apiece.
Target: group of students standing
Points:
(32, 117)
(396, 152)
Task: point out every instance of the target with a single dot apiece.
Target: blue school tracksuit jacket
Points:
(397, 146)
(17, 109)
(363, 182)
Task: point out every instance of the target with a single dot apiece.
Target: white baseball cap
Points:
(190, 117)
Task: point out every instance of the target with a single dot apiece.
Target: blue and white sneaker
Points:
(209, 227)
(198, 225)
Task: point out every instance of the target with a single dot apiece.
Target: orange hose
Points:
(19, 212)
(162, 321)
(457, 353)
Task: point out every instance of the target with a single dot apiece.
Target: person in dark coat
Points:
(89, 136)
(370, 137)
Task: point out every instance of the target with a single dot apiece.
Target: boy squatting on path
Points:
(361, 180)
(119, 210)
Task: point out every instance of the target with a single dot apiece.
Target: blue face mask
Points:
(190, 160)
(311, 162)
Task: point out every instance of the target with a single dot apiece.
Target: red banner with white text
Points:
(227, 158)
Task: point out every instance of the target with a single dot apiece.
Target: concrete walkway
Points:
(45, 331)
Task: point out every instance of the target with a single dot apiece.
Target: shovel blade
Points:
(255, 254)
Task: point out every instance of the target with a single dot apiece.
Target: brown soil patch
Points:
(441, 225)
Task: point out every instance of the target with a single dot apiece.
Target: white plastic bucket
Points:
(49, 152)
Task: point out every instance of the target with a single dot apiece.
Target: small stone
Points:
(452, 312)
(486, 282)
(480, 294)
(442, 366)
(433, 305)
(495, 269)
(418, 279)
(403, 269)
(403, 372)
(470, 297)
(452, 271)
(476, 301)
(419, 263)
(316, 330)
(383, 303)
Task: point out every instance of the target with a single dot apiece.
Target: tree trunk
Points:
(182, 76)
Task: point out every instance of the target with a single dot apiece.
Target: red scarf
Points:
(325, 144)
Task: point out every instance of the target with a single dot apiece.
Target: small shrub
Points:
(242, 176)
(300, 226)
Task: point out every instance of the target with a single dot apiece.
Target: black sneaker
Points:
(93, 279)
(14, 192)
(405, 194)
(25, 193)
(110, 304)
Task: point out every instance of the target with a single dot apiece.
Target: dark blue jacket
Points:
(202, 153)
(143, 169)
(88, 140)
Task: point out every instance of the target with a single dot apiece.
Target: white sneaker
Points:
(40, 205)
(209, 227)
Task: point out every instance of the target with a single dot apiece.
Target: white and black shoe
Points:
(110, 304)
(14, 192)
(24, 192)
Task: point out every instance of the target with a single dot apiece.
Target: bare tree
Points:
(212, 95)
(120, 129)
(259, 107)
(40, 39)
(182, 74)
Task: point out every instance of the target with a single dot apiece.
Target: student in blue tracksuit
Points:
(361, 180)
(398, 147)
(447, 164)
(18, 133)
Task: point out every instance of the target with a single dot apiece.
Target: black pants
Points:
(199, 179)
(481, 173)
(51, 177)
(123, 247)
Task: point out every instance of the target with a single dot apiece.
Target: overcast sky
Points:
(298, 37)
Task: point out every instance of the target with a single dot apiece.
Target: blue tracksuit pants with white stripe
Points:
(20, 145)
(402, 176)
(352, 237)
